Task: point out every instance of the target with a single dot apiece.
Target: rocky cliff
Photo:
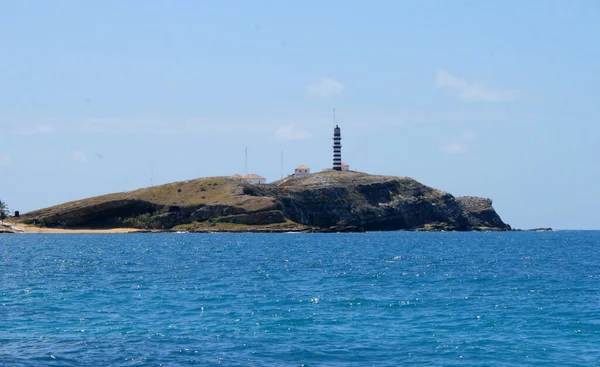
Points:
(326, 201)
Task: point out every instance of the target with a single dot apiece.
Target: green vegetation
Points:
(34, 222)
(28, 221)
(3, 211)
(215, 226)
(142, 221)
(145, 220)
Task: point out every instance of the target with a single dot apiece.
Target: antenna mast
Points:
(246, 152)
(282, 164)
(334, 117)
(151, 173)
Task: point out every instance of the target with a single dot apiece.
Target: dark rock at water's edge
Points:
(548, 229)
(331, 201)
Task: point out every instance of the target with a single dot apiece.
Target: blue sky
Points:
(488, 98)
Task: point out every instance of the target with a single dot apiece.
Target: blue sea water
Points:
(371, 299)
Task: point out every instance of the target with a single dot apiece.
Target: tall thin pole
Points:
(334, 117)
(282, 164)
(246, 152)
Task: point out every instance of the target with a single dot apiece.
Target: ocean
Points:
(363, 299)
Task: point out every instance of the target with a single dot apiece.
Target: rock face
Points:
(384, 203)
(326, 201)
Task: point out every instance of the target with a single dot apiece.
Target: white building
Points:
(301, 171)
(345, 167)
(255, 179)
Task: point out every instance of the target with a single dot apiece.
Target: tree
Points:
(3, 211)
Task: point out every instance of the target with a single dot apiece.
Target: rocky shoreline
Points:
(249, 229)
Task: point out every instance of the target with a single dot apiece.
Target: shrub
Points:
(28, 221)
(3, 210)
(35, 222)
(142, 221)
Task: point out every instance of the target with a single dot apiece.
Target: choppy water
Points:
(381, 299)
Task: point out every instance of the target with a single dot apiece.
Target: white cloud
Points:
(325, 88)
(37, 129)
(473, 91)
(455, 148)
(78, 156)
(290, 133)
(5, 160)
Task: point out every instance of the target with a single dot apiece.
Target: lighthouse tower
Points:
(337, 148)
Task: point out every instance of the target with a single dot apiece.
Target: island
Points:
(329, 201)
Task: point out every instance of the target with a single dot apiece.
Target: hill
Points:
(325, 201)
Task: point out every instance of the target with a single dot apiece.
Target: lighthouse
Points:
(337, 148)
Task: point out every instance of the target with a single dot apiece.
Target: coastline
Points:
(288, 227)
(37, 230)
(30, 229)
(25, 229)
(79, 231)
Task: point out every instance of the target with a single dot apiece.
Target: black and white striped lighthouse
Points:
(337, 148)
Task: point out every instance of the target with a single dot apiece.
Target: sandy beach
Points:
(71, 231)
(20, 228)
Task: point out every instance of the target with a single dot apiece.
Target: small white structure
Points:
(255, 179)
(345, 167)
(301, 171)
